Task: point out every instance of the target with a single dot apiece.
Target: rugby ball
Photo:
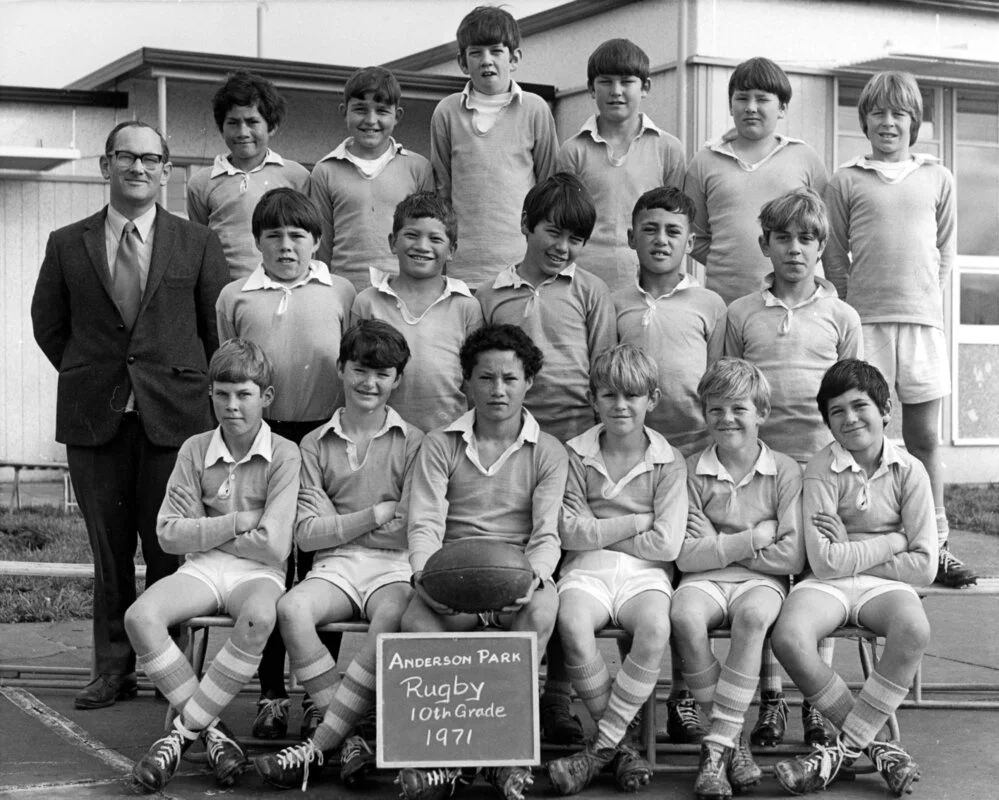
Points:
(476, 574)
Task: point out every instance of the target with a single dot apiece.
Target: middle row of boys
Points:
(340, 508)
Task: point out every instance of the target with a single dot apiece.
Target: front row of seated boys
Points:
(374, 502)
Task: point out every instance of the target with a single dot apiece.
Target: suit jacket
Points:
(165, 357)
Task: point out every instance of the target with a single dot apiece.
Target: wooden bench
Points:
(197, 648)
(68, 498)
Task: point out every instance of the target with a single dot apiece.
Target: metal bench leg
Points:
(649, 728)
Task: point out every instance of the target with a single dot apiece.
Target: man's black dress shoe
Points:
(104, 690)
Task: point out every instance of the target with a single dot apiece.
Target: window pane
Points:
(977, 200)
(979, 298)
(177, 191)
(977, 118)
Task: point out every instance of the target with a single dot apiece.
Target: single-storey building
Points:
(50, 141)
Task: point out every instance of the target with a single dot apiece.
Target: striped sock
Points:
(317, 674)
(878, 698)
(354, 696)
(733, 694)
(168, 668)
(771, 677)
(592, 682)
(834, 700)
(632, 687)
(826, 649)
(702, 685)
(231, 670)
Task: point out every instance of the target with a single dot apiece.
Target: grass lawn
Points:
(46, 533)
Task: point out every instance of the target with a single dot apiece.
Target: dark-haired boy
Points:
(870, 535)
(731, 177)
(248, 111)
(668, 314)
(492, 473)
(230, 509)
(434, 311)
(352, 517)
(357, 186)
(566, 311)
(296, 311)
(489, 144)
(618, 154)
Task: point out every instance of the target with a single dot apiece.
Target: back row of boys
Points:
(892, 214)
(795, 327)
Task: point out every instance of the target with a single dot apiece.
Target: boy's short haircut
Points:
(501, 337)
(109, 143)
(563, 199)
(373, 80)
(617, 57)
(735, 377)
(668, 198)
(239, 360)
(801, 207)
(897, 91)
(285, 207)
(375, 345)
(763, 75)
(625, 369)
(485, 25)
(427, 205)
(244, 88)
(852, 373)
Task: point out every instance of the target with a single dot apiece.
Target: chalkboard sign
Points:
(454, 700)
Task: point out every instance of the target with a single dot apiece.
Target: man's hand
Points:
(830, 526)
(428, 601)
(187, 502)
(698, 525)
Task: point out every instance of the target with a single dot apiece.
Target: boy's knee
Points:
(912, 634)
(258, 619)
(291, 609)
(140, 618)
(754, 619)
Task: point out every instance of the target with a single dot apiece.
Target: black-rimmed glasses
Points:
(149, 160)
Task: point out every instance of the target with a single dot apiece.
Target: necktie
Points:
(127, 288)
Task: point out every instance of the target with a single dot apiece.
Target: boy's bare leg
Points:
(693, 615)
(351, 698)
(254, 606)
(166, 603)
(313, 602)
(356, 693)
(579, 616)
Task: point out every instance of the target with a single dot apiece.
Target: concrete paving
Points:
(48, 749)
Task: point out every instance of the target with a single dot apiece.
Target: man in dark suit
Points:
(124, 308)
